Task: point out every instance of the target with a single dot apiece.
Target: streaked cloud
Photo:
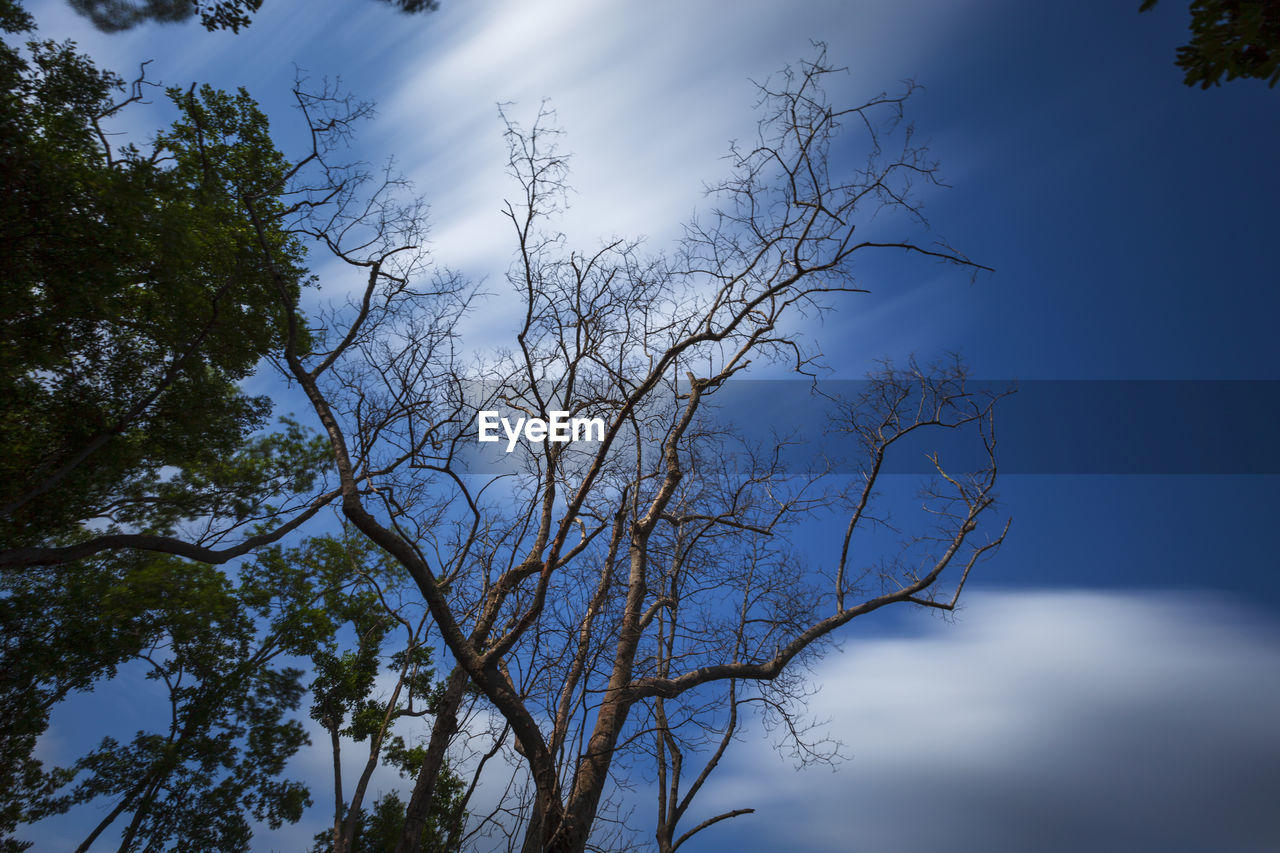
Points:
(1040, 721)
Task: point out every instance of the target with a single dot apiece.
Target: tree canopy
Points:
(222, 651)
(117, 15)
(133, 306)
(1231, 39)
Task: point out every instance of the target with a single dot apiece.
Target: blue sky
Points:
(1112, 684)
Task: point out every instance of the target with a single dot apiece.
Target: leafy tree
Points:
(344, 697)
(192, 784)
(1231, 38)
(133, 306)
(137, 296)
(213, 642)
(56, 639)
(115, 15)
(379, 830)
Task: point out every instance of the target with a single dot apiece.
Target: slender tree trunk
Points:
(446, 723)
(349, 825)
(140, 812)
(338, 804)
(561, 828)
(578, 816)
(351, 822)
(120, 808)
(453, 840)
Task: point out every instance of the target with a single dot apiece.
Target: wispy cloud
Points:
(649, 96)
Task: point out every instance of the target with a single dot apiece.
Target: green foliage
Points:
(192, 785)
(343, 699)
(211, 640)
(115, 15)
(353, 630)
(136, 298)
(376, 832)
(53, 644)
(379, 830)
(1231, 38)
(342, 689)
(13, 18)
(140, 289)
(446, 815)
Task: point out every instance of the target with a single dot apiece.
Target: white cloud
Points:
(1040, 721)
(649, 96)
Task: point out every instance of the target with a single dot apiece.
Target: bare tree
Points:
(593, 578)
(613, 597)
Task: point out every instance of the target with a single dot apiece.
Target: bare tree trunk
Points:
(593, 767)
(549, 830)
